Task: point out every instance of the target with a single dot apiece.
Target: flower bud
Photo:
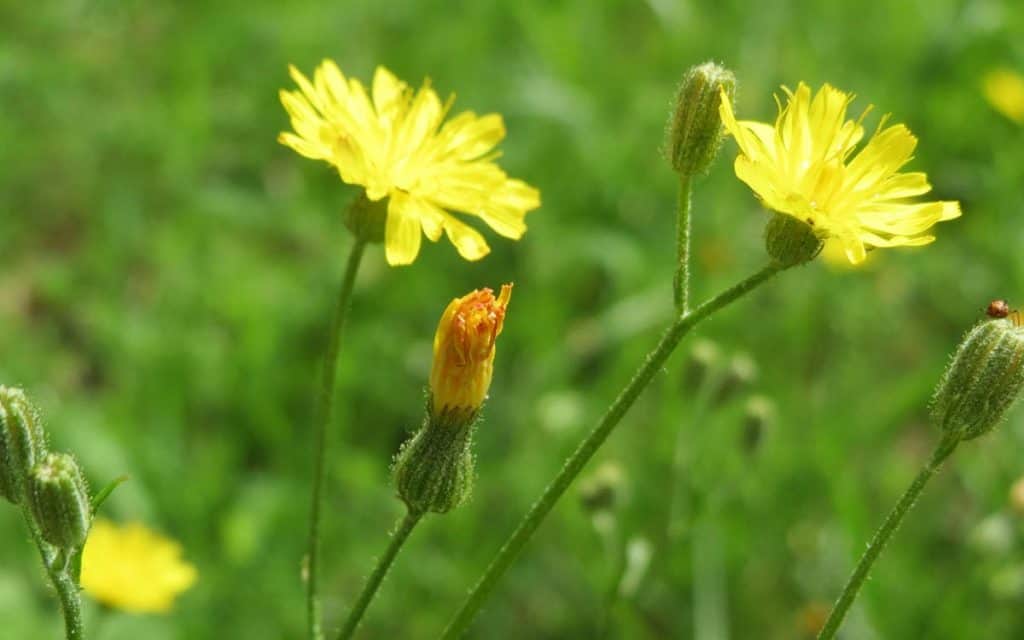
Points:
(22, 441)
(790, 241)
(695, 129)
(702, 359)
(741, 373)
(757, 419)
(983, 380)
(603, 490)
(434, 470)
(59, 500)
(464, 350)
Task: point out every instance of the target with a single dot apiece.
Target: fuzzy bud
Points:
(790, 241)
(434, 469)
(695, 129)
(757, 419)
(740, 374)
(982, 381)
(22, 441)
(603, 490)
(59, 500)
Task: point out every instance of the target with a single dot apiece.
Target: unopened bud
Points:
(1017, 496)
(59, 500)
(740, 374)
(757, 419)
(434, 470)
(603, 490)
(790, 241)
(982, 381)
(703, 358)
(22, 441)
(695, 129)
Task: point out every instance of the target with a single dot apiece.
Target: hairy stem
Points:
(398, 538)
(892, 522)
(592, 442)
(681, 282)
(324, 404)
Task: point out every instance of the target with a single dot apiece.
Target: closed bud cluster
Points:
(22, 441)
(695, 129)
(59, 500)
(434, 469)
(790, 242)
(982, 381)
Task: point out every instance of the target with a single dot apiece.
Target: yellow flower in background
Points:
(807, 166)
(134, 569)
(464, 349)
(395, 143)
(1004, 90)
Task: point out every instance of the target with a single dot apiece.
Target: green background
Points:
(167, 268)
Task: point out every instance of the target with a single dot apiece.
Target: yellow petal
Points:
(467, 240)
(401, 233)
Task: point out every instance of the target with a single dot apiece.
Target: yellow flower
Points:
(132, 568)
(464, 349)
(807, 166)
(1004, 90)
(397, 145)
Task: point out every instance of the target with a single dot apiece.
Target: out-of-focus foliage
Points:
(167, 268)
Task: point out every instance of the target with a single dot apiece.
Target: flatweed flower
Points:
(395, 143)
(1004, 90)
(807, 166)
(134, 569)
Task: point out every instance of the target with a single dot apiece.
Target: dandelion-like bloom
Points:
(464, 349)
(134, 569)
(397, 145)
(807, 166)
(1004, 90)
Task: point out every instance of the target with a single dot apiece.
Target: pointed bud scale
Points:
(434, 470)
(982, 381)
(59, 500)
(790, 241)
(22, 441)
(695, 128)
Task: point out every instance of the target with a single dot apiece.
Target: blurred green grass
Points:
(166, 269)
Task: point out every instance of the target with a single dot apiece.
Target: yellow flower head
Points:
(395, 143)
(1004, 90)
(464, 349)
(806, 165)
(132, 568)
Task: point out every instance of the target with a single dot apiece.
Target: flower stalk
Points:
(325, 401)
(945, 448)
(593, 441)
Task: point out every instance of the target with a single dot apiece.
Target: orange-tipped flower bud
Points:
(464, 350)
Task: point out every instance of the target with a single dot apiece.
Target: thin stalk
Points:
(592, 442)
(673, 521)
(325, 401)
(892, 522)
(681, 282)
(398, 538)
(710, 615)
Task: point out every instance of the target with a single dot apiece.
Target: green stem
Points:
(398, 538)
(945, 447)
(674, 524)
(681, 282)
(575, 463)
(57, 570)
(325, 400)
